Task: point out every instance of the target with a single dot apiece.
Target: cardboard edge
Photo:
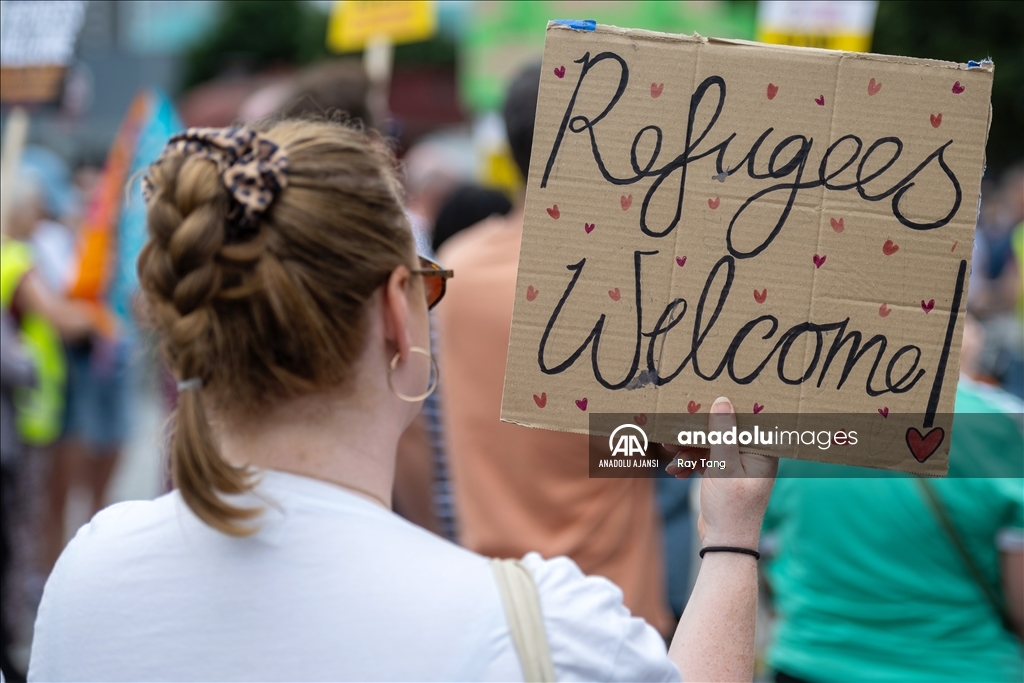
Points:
(986, 66)
(634, 33)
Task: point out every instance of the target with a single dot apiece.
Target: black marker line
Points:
(940, 371)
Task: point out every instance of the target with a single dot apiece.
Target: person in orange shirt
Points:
(519, 489)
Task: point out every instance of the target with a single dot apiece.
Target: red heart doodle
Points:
(884, 311)
(713, 203)
(922, 446)
(760, 297)
(640, 419)
(936, 120)
(615, 294)
(953, 248)
(837, 225)
(890, 248)
(820, 100)
(819, 261)
(581, 403)
(531, 293)
(554, 212)
(626, 201)
(680, 261)
(873, 87)
(560, 72)
(884, 412)
(656, 89)
(927, 307)
(957, 88)
(588, 227)
(692, 407)
(541, 400)
(758, 408)
(772, 91)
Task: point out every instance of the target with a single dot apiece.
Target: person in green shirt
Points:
(868, 584)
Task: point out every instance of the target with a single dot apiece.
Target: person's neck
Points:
(340, 440)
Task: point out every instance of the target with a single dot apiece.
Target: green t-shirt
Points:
(867, 584)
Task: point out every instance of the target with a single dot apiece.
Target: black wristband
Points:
(727, 549)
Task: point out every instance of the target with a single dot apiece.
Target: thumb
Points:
(723, 420)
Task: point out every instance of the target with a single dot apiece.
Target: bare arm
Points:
(1013, 588)
(71, 318)
(715, 637)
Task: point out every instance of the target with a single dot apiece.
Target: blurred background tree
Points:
(960, 31)
(251, 35)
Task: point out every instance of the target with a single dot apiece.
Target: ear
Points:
(396, 310)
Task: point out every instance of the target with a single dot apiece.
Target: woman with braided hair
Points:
(281, 279)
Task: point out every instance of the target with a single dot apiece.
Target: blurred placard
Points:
(37, 41)
(817, 23)
(502, 37)
(354, 23)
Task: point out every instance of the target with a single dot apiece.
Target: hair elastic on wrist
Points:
(727, 549)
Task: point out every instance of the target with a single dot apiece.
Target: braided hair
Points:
(272, 312)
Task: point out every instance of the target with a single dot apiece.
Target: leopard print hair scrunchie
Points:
(252, 168)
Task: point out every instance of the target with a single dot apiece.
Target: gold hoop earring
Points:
(433, 371)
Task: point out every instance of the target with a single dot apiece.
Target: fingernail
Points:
(722, 405)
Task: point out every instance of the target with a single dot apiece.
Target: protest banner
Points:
(356, 23)
(37, 44)
(788, 227)
(830, 24)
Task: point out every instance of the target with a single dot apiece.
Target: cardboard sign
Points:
(354, 23)
(788, 227)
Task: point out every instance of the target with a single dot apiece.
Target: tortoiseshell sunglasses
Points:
(435, 280)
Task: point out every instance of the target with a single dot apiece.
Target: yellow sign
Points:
(356, 22)
(848, 42)
(816, 23)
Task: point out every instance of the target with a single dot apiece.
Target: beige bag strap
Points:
(525, 619)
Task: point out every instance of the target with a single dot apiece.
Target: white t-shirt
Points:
(332, 587)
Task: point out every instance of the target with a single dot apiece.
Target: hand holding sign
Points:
(754, 189)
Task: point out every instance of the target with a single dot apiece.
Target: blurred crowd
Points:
(846, 599)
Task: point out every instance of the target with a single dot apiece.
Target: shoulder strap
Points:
(525, 619)
(940, 514)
